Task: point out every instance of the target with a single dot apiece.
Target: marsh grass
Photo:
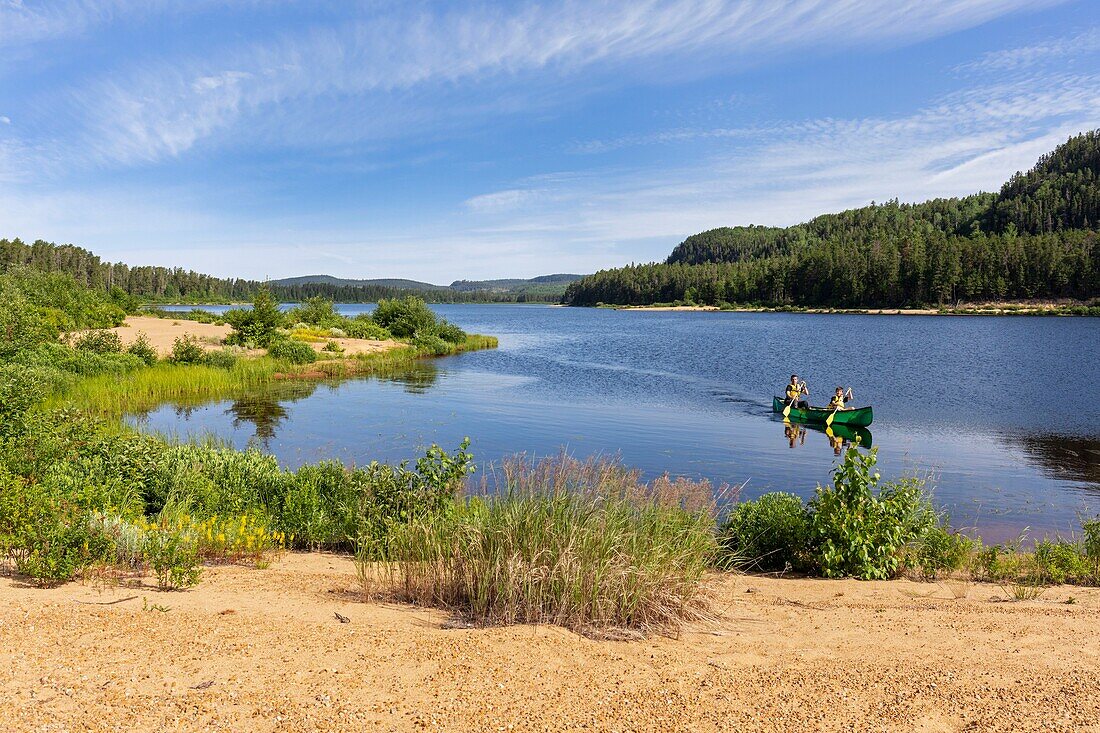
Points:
(581, 544)
(194, 384)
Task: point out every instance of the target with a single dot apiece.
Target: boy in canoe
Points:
(838, 400)
(796, 389)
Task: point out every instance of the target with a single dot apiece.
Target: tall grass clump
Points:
(581, 544)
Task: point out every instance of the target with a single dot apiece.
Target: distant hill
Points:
(517, 284)
(1035, 238)
(342, 282)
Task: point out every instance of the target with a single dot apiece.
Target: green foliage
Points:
(296, 352)
(1035, 239)
(1091, 540)
(774, 532)
(316, 311)
(173, 559)
(405, 317)
(364, 327)
(99, 342)
(450, 333)
(142, 349)
(221, 358)
(939, 551)
(256, 326)
(860, 530)
(187, 350)
(1061, 562)
(432, 344)
(581, 545)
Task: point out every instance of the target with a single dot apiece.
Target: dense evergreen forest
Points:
(1036, 238)
(162, 284)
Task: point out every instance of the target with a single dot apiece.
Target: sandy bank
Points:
(261, 650)
(163, 332)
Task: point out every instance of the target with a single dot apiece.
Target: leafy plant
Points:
(256, 326)
(187, 350)
(295, 352)
(99, 342)
(860, 528)
(173, 559)
(142, 349)
(939, 550)
(405, 317)
(774, 532)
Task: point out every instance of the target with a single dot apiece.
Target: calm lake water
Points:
(1000, 412)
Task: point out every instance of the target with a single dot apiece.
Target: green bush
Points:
(1061, 562)
(172, 557)
(221, 358)
(256, 326)
(860, 531)
(774, 532)
(142, 349)
(405, 317)
(99, 342)
(187, 350)
(450, 333)
(363, 327)
(1091, 528)
(432, 344)
(317, 311)
(939, 551)
(296, 352)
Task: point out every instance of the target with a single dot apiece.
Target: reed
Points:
(193, 384)
(584, 545)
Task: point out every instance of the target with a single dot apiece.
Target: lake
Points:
(998, 412)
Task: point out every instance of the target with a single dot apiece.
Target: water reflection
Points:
(416, 379)
(1063, 457)
(839, 436)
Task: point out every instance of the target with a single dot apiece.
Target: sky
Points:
(441, 141)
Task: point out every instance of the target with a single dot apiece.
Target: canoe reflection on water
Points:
(840, 436)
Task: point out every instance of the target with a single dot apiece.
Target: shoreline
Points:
(262, 650)
(1007, 308)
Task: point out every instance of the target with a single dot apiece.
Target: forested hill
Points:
(1036, 238)
(162, 284)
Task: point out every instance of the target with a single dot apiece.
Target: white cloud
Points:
(1040, 53)
(5, 120)
(161, 110)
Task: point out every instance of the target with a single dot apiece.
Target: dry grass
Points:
(581, 544)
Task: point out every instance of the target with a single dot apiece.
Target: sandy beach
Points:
(163, 332)
(262, 650)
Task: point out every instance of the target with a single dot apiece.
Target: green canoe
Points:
(858, 417)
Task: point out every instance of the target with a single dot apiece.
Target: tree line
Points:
(1034, 239)
(163, 284)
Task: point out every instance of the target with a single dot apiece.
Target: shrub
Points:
(860, 531)
(432, 344)
(363, 327)
(99, 342)
(939, 551)
(258, 325)
(405, 317)
(317, 311)
(450, 333)
(295, 352)
(142, 349)
(1091, 528)
(1060, 562)
(187, 350)
(773, 532)
(173, 559)
(581, 545)
(20, 389)
(221, 358)
(333, 348)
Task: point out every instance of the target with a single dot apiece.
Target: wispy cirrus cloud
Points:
(1022, 57)
(161, 110)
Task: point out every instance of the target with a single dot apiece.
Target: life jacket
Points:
(837, 401)
(794, 391)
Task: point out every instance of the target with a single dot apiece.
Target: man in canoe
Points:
(838, 400)
(795, 389)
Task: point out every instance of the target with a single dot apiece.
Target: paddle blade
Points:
(829, 419)
(787, 411)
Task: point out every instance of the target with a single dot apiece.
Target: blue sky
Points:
(471, 140)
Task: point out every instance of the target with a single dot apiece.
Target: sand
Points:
(261, 650)
(163, 332)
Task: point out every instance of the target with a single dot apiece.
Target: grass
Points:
(192, 384)
(580, 544)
